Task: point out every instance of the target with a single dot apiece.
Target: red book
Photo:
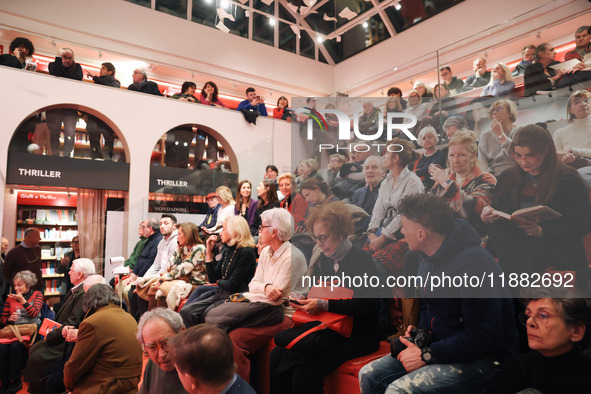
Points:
(48, 326)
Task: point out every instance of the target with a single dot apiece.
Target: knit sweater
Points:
(576, 136)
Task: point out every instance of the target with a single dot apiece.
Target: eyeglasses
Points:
(261, 227)
(145, 226)
(153, 347)
(526, 157)
(322, 238)
(75, 242)
(539, 318)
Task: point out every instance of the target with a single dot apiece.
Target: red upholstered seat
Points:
(345, 379)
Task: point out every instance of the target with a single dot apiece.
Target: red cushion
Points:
(352, 367)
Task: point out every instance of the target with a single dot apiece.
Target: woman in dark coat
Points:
(302, 369)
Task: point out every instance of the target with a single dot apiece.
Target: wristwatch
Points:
(426, 356)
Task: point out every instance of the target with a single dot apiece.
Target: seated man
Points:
(335, 162)
(253, 101)
(582, 40)
(366, 197)
(47, 357)
(471, 334)
(271, 282)
(203, 359)
(271, 173)
(452, 83)
(370, 120)
(527, 57)
(155, 332)
(211, 216)
(141, 83)
(480, 77)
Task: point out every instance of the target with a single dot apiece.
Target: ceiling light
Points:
(272, 21)
(208, 1)
(395, 68)
(365, 25)
(398, 7)
(225, 3)
(319, 39)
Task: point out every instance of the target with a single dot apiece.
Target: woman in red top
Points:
(282, 111)
(22, 307)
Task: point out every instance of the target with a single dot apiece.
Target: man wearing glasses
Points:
(155, 332)
(26, 256)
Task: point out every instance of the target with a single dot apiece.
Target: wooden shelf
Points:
(48, 241)
(49, 258)
(55, 294)
(52, 276)
(47, 224)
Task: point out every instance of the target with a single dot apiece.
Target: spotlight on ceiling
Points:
(272, 21)
(319, 39)
(395, 68)
(225, 3)
(398, 7)
(365, 25)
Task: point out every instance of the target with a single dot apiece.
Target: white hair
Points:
(425, 130)
(84, 266)
(281, 220)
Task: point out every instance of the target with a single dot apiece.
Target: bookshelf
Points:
(57, 225)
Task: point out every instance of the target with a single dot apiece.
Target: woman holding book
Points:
(22, 307)
(538, 178)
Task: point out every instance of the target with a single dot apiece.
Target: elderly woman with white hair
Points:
(501, 82)
(428, 139)
(494, 148)
(262, 304)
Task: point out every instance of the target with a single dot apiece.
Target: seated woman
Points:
(282, 111)
(292, 201)
(246, 206)
(187, 91)
(185, 266)
(495, 144)
(303, 370)
(417, 108)
(209, 95)
(231, 273)
(447, 103)
(428, 139)
(316, 193)
(393, 105)
(557, 331)
(573, 142)
(107, 356)
(227, 208)
(425, 92)
(22, 307)
(385, 224)
(467, 188)
(307, 169)
(538, 178)
(267, 192)
(501, 82)
(539, 75)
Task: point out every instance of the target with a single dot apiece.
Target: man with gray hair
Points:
(141, 83)
(46, 357)
(271, 281)
(366, 197)
(25, 256)
(155, 331)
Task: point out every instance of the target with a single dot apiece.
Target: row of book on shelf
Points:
(51, 234)
(53, 286)
(43, 216)
(50, 269)
(56, 251)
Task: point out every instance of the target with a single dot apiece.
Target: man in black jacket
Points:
(141, 83)
(64, 66)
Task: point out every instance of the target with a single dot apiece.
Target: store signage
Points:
(163, 206)
(26, 197)
(39, 170)
(171, 180)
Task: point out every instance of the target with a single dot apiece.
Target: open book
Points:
(538, 213)
(48, 326)
(569, 64)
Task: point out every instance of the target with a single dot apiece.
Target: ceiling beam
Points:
(361, 18)
(385, 18)
(299, 19)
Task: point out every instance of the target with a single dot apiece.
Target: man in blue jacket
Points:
(253, 101)
(473, 327)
